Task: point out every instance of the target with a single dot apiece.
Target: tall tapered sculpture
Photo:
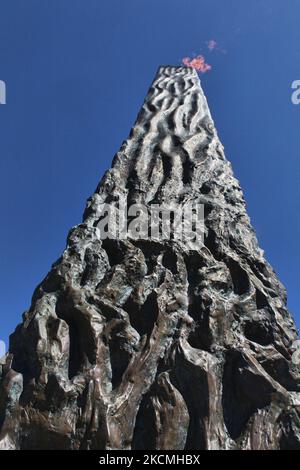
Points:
(149, 343)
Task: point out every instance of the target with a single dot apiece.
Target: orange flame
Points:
(197, 63)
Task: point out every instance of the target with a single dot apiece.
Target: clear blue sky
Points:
(77, 72)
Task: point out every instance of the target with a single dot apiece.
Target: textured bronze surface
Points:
(142, 344)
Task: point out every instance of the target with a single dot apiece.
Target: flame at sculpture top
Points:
(152, 344)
